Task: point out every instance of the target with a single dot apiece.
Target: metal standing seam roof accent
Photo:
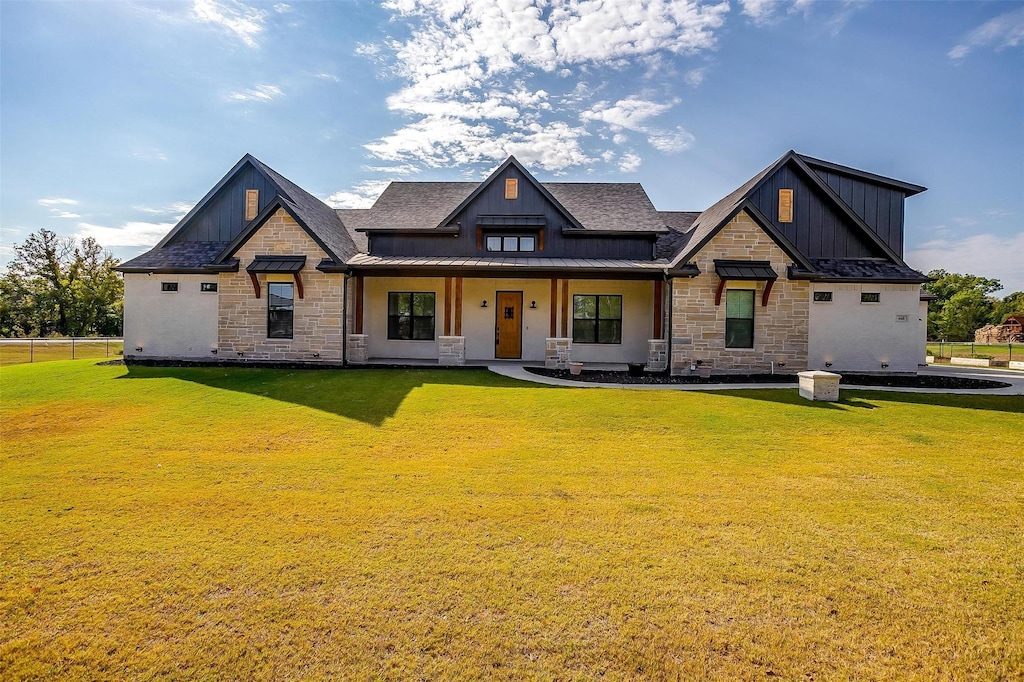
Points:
(367, 261)
(511, 220)
(745, 270)
(276, 264)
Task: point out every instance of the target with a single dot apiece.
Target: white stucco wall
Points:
(181, 324)
(478, 322)
(859, 337)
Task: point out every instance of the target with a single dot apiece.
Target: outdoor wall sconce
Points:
(240, 353)
(484, 304)
(316, 355)
(884, 365)
(213, 350)
(138, 349)
(828, 364)
(781, 364)
(533, 304)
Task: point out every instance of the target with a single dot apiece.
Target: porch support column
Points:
(659, 311)
(358, 312)
(458, 306)
(565, 308)
(554, 308)
(447, 306)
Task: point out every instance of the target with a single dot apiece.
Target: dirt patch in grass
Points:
(849, 379)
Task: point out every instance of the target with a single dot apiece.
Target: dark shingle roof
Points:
(679, 224)
(355, 219)
(601, 206)
(417, 205)
(866, 268)
(180, 256)
(618, 206)
(320, 218)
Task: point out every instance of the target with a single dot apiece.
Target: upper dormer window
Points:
(511, 189)
(511, 242)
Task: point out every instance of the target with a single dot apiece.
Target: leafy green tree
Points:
(1013, 304)
(56, 286)
(964, 304)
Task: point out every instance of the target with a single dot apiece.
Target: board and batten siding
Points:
(879, 206)
(223, 217)
(172, 325)
(817, 229)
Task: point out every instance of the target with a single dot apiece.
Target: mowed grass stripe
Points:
(244, 523)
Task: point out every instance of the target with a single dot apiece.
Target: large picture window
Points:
(411, 316)
(739, 318)
(280, 310)
(597, 319)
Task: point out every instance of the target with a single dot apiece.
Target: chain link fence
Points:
(999, 352)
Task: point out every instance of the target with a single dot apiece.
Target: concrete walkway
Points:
(1015, 379)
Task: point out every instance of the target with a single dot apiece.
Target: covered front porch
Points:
(475, 319)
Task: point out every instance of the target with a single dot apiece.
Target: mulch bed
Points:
(900, 381)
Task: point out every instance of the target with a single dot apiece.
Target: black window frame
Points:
(825, 297)
(503, 236)
(409, 326)
(877, 297)
(277, 315)
(169, 287)
(735, 325)
(208, 287)
(581, 329)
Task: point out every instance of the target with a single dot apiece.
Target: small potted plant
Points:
(575, 368)
(702, 371)
(636, 369)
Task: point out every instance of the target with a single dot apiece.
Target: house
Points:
(800, 267)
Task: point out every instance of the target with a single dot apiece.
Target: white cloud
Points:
(671, 141)
(148, 154)
(259, 93)
(629, 113)
(245, 23)
(176, 209)
(57, 213)
(402, 169)
(467, 67)
(987, 255)
(282, 8)
(328, 77)
(1001, 32)
(760, 11)
(128, 234)
(695, 77)
(629, 162)
(361, 195)
(57, 201)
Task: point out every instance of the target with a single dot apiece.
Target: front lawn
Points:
(273, 524)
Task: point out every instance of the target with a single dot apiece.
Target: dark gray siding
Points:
(492, 201)
(817, 230)
(223, 217)
(879, 206)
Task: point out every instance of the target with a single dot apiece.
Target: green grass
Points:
(992, 351)
(47, 350)
(272, 524)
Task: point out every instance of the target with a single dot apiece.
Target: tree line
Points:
(60, 286)
(965, 304)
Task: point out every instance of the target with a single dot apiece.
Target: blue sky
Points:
(116, 118)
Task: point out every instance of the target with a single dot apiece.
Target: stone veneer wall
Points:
(242, 318)
(698, 325)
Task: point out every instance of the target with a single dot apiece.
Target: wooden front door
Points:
(508, 324)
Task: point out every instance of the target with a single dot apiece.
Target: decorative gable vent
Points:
(785, 205)
(252, 203)
(511, 188)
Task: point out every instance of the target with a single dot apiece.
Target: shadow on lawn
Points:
(364, 394)
(866, 399)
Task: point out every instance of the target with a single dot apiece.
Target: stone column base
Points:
(451, 351)
(557, 353)
(657, 355)
(356, 349)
